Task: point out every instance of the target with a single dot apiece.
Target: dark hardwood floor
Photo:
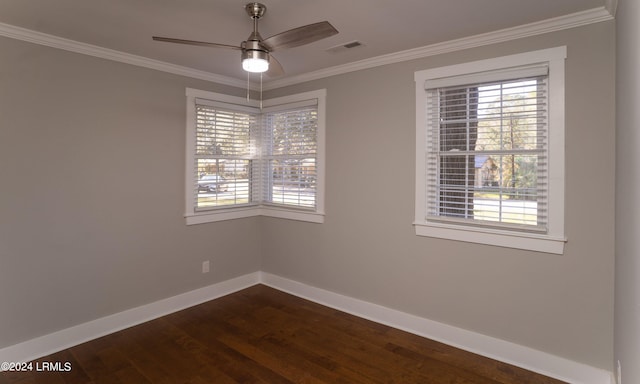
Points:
(261, 335)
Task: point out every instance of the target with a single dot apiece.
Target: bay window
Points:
(245, 161)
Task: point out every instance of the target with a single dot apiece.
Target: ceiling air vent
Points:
(345, 46)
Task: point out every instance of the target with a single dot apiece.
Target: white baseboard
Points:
(66, 338)
(524, 357)
(501, 350)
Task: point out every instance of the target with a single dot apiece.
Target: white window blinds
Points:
(486, 150)
(290, 156)
(225, 138)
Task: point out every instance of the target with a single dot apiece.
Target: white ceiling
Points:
(383, 26)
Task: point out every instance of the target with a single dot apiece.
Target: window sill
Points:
(239, 213)
(221, 215)
(495, 237)
(292, 214)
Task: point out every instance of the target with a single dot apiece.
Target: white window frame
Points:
(554, 239)
(193, 216)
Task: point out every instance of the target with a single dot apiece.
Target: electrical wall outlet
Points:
(205, 266)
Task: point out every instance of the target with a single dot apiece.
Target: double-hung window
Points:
(490, 151)
(245, 161)
(222, 165)
(290, 153)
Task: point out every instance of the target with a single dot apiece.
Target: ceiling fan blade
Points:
(192, 42)
(275, 68)
(300, 36)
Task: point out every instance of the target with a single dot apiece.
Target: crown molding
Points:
(573, 20)
(18, 33)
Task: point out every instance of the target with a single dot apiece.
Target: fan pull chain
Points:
(249, 88)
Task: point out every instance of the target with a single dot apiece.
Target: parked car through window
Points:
(212, 183)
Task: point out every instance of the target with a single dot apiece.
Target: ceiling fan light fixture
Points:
(255, 61)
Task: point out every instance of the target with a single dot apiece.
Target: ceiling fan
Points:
(256, 51)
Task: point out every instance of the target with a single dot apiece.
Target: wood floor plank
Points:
(261, 335)
(355, 346)
(219, 353)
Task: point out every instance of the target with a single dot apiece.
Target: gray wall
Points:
(627, 314)
(367, 249)
(92, 191)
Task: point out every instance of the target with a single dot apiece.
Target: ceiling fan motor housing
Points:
(253, 49)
